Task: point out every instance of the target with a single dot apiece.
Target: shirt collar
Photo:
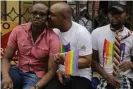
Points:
(28, 28)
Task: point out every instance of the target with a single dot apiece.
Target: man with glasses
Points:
(113, 51)
(36, 46)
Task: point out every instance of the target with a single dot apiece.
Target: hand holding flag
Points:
(59, 58)
(70, 59)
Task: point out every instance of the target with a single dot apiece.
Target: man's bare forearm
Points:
(45, 79)
(50, 74)
(5, 67)
(6, 60)
(84, 62)
(96, 66)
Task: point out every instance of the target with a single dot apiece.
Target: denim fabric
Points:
(22, 80)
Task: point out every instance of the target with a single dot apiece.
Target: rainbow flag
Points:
(108, 52)
(65, 48)
(71, 62)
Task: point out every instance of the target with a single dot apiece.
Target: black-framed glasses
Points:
(35, 13)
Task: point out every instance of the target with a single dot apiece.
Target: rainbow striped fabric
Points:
(65, 48)
(71, 62)
(108, 52)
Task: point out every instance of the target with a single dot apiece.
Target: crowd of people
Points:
(105, 56)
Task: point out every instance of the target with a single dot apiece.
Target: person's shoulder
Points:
(51, 32)
(55, 30)
(20, 27)
(101, 29)
(77, 25)
(131, 35)
(23, 26)
(79, 28)
(126, 29)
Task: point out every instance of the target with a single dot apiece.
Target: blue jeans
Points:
(22, 80)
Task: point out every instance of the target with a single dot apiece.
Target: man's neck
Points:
(66, 27)
(37, 29)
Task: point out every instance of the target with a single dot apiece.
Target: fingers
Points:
(7, 83)
(11, 85)
(56, 59)
(62, 56)
(124, 66)
(5, 86)
(59, 58)
(113, 82)
(124, 63)
(117, 82)
(60, 75)
(60, 79)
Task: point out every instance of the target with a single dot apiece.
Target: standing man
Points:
(72, 36)
(36, 45)
(113, 51)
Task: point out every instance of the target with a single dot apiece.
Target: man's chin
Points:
(116, 25)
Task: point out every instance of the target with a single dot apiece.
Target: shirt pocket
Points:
(41, 52)
(24, 47)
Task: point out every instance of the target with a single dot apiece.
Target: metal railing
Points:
(98, 21)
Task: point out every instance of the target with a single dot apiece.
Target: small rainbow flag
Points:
(65, 48)
(71, 62)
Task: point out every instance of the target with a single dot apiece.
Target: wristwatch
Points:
(36, 87)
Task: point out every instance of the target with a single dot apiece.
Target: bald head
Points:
(39, 14)
(40, 5)
(62, 8)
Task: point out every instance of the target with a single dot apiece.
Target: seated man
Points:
(36, 45)
(73, 36)
(113, 51)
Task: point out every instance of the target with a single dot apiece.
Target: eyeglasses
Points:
(35, 13)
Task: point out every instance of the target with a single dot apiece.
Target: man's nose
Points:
(116, 16)
(37, 16)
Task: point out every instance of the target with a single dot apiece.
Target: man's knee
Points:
(15, 76)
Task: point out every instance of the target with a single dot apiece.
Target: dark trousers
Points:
(75, 83)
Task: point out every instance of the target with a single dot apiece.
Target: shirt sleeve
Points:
(12, 41)
(94, 39)
(84, 43)
(54, 45)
